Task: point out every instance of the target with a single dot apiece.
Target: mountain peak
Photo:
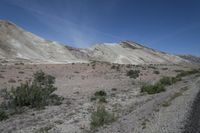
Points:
(6, 23)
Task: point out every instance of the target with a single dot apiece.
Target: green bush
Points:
(169, 80)
(176, 79)
(186, 73)
(102, 99)
(100, 93)
(152, 89)
(166, 81)
(100, 96)
(160, 85)
(101, 117)
(3, 115)
(36, 94)
(133, 73)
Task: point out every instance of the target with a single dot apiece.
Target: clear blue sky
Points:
(168, 25)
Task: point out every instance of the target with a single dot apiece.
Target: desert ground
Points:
(135, 112)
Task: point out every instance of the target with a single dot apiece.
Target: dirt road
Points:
(193, 121)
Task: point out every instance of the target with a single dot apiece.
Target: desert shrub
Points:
(102, 100)
(156, 72)
(152, 89)
(114, 89)
(3, 115)
(113, 67)
(176, 79)
(169, 80)
(21, 72)
(36, 94)
(76, 72)
(93, 63)
(186, 73)
(160, 85)
(165, 68)
(101, 117)
(45, 129)
(100, 93)
(118, 67)
(93, 98)
(133, 73)
(100, 96)
(166, 80)
(152, 67)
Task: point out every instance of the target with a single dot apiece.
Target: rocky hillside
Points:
(130, 53)
(191, 58)
(16, 43)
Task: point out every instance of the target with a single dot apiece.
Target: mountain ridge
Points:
(191, 58)
(16, 43)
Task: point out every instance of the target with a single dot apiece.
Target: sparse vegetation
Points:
(128, 66)
(100, 96)
(93, 64)
(174, 96)
(36, 94)
(76, 72)
(165, 68)
(102, 99)
(3, 115)
(113, 67)
(116, 67)
(114, 89)
(101, 117)
(186, 73)
(160, 85)
(100, 93)
(166, 81)
(21, 72)
(166, 103)
(152, 89)
(152, 67)
(45, 129)
(156, 72)
(133, 73)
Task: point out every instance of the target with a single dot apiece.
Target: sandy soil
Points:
(77, 83)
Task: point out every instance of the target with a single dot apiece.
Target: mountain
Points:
(18, 44)
(191, 58)
(128, 52)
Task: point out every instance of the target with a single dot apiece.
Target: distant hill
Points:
(191, 58)
(16, 44)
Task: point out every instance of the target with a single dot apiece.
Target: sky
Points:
(168, 25)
